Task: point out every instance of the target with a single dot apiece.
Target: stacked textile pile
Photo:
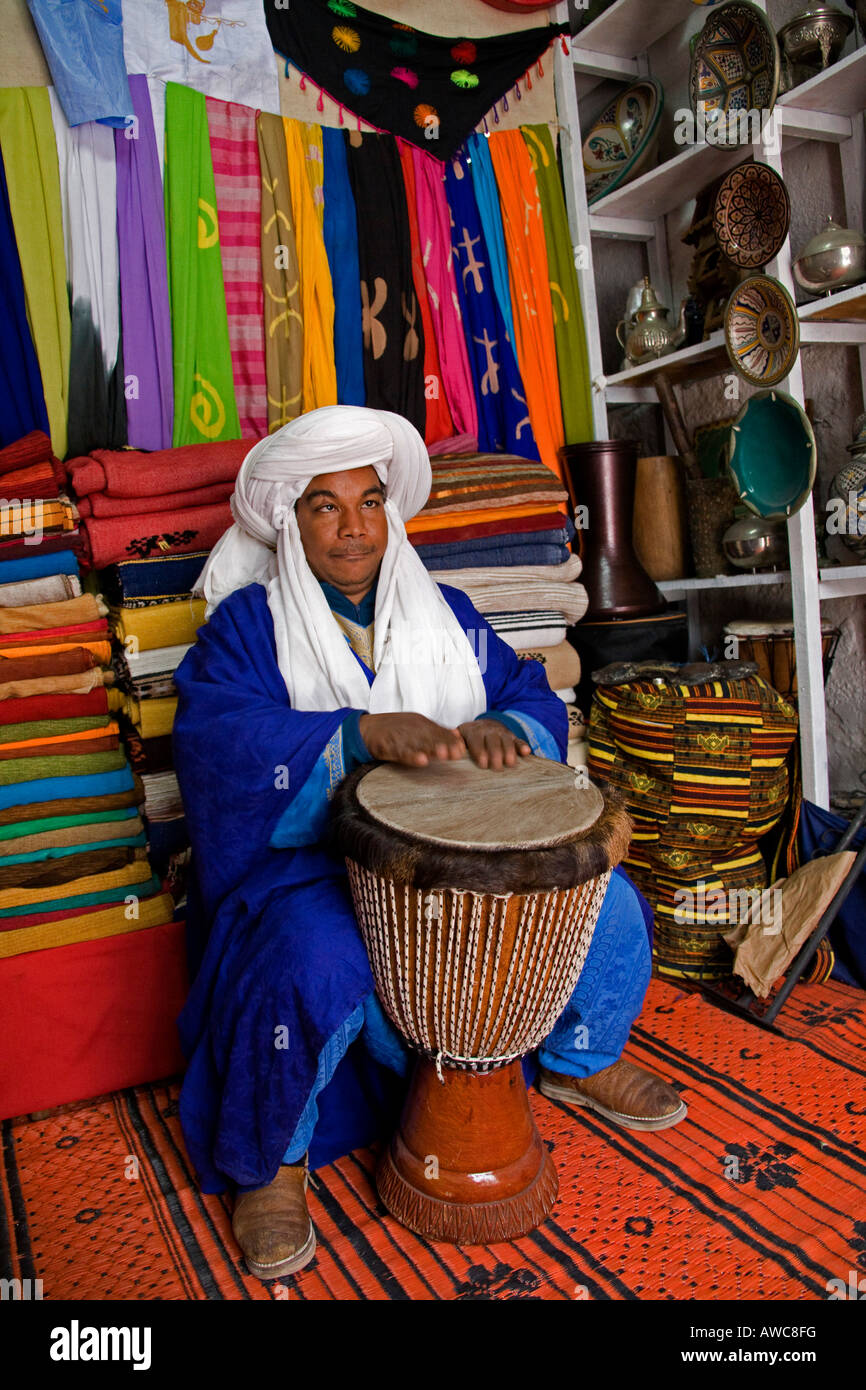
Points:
(494, 526)
(156, 619)
(172, 501)
(149, 522)
(73, 858)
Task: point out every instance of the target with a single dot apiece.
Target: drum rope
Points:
(500, 905)
(422, 917)
(553, 934)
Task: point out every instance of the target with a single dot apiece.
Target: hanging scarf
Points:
(391, 319)
(22, 402)
(317, 292)
(530, 293)
(439, 424)
(572, 357)
(83, 45)
(204, 397)
(341, 247)
(422, 657)
(499, 393)
(487, 198)
(314, 166)
(434, 230)
(145, 316)
(237, 177)
(284, 326)
(33, 180)
(88, 196)
(432, 91)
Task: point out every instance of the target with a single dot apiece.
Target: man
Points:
(330, 645)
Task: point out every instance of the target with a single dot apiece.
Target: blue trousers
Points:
(589, 1035)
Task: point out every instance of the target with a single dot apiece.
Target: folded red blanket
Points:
(32, 448)
(38, 707)
(37, 481)
(112, 539)
(132, 473)
(98, 504)
(51, 543)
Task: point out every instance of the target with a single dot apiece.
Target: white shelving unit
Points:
(829, 108)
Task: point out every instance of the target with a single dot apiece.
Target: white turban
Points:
(424, 661)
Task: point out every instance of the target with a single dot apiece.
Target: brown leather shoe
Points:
(273, 1227)
(626, 1094)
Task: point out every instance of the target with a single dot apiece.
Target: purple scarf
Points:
(143, 280)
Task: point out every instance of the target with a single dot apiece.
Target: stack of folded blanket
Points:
(170, 502)
(149, 521)
(495, 527)
(155, 619)
(492, 509)
(74, 867)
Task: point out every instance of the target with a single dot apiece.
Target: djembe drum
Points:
(477, 894)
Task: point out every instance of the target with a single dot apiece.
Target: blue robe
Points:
(288, 1048)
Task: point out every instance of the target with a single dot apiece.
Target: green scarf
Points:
(204, 393)
(572, 357)
(33, 176)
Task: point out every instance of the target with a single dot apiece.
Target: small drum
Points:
(772, 648)
(477, 894)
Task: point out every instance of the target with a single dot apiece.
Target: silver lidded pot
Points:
(757, 543)
(812, 40)
(832, 260)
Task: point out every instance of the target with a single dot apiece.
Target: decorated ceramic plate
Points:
(762, 331)
(735, 66)
(772, 457)
(623, 138)
(751, 216)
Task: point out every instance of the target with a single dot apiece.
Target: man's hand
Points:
(410, 739)
(491, 744)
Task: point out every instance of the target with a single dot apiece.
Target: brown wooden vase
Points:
(466, 1163)
(601, 477)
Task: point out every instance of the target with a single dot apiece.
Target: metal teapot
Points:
(650, 334)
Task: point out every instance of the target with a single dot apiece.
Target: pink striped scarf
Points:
(434, 231)
(237, 175)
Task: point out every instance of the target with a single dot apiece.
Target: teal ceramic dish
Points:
(772, 456)
(623, 139)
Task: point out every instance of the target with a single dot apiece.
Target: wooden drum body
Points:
(475, 948)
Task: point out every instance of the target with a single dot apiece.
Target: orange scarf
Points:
(530, 290)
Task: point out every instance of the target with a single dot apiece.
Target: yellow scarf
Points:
(317, 291)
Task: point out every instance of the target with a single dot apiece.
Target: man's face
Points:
(344, 530)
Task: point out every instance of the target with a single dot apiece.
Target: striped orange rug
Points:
(758, 1194)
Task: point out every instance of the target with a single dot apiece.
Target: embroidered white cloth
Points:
(224, 51)
(423, 659)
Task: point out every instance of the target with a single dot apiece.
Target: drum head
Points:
(535, 805)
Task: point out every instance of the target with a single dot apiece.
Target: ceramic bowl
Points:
(752, 215)
(772, 457)
(762, 331)
(623, 139)
(735, 65)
